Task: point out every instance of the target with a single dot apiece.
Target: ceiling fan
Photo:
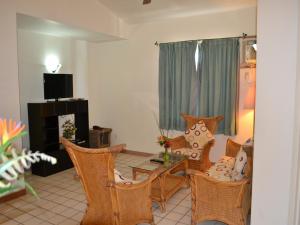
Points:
(145, 2)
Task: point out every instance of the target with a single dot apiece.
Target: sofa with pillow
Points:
(223, 192)
(198, 154)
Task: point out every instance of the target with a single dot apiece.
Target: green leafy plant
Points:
(14, 163)
(69, 129)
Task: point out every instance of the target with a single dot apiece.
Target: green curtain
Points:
(177, 80)
(218, 70)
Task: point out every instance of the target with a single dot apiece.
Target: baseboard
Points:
(13, 195)
(137, 153)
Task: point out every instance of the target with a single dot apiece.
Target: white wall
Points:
(9, 92)
(123, 75)
(85, 14)
(33, 49)
(90, 15)
(275, 110)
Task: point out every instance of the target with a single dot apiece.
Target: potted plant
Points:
(14, 161)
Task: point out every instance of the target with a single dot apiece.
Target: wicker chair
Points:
(109, 203)
(228, 202)
(179, 142)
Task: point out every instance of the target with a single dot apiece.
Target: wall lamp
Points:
(52, 64)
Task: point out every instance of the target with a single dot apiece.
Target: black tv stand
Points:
(44, 132)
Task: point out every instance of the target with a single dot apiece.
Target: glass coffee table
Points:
(169, 180)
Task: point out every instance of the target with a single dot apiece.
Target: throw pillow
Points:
(240, 165)
(198, 136)
(222, 169)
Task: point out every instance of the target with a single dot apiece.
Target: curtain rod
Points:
(244, 36)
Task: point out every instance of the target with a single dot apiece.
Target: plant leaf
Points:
(6, 190)
(31, 190)
(9, 142)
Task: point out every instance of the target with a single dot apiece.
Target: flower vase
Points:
(166, 156)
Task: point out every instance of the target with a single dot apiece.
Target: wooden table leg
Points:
(133, 174)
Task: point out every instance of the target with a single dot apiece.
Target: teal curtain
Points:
(218, 69)
(177, 81)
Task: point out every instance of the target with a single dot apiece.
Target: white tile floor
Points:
(62, 201)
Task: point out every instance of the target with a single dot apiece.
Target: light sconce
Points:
(255, 47)
(52, 64)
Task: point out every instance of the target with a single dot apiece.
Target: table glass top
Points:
(151, 166)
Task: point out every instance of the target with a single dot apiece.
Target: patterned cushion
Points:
(119, 178)
(198, 136)
(193, 154)
(222, 170)
(240, 165)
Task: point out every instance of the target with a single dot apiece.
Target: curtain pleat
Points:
(177, 76)
(218, 86)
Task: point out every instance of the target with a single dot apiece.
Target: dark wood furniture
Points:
(109, 203)
(167, 183)
(100, 137)
(44, 132)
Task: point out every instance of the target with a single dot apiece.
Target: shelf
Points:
(51, 128)
(44, 131)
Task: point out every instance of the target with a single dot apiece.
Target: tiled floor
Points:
(62, 201)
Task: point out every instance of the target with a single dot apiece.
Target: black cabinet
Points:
(44, 132)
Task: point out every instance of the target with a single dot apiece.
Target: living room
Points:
(117, 72)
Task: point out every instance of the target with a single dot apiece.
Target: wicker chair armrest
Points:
(117, 148)
(194, 172)
(178, 142)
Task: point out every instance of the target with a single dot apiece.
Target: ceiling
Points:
(133, 11)
(53, 28)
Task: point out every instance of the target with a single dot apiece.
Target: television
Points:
(58, 86)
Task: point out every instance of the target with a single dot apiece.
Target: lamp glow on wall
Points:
(52, 64)
(250, 97)
(249, 102)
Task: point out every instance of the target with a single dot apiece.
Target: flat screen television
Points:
(58, 86)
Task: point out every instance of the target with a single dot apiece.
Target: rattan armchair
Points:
(109, 203)
(228, 202)
(179, 142)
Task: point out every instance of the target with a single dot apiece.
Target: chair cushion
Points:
(193, 154)
(119, 178)
(240, 165)
(222, 170)
(198, 136)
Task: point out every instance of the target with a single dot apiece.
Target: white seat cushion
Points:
(222, 170)
(119, 178)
